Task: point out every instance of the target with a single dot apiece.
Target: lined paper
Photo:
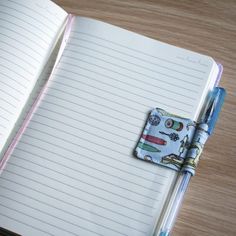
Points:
(28, 32)
(73, 171)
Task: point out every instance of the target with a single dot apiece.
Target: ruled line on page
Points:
(15, 72)
(79, 207)
(83, 147)
(2, 126)
(16, 64)
(8, 94)
(45, 34)
(112, 93)
(68, 203)
(92, 109)
(83, 121)
(126, 98)
(103, 154)
(18, 41)
(106, 164)
(67, 212)
(85, 115)
(15, 56)
(116, 87)
(93, 94)
(11, 87)
(130, 70)
(4, 109)
(127, 54)
(151, 86)
(76, 153)
(135, 71)
(60, 123)
(30, 16)
(36, 12)
(18, 49)
(118, 80)
(12, 79)
(49, 11)
(67, 221)
(75, 196)
(36, 218)
(77, 188)
(136, 50)
(80, 163)
(51, 87)
(24, 223)
(134, 64)
(123, 153)
(26, 30)
(94, 186)
(4, 118)
(76, 128)
(90, 100)
(9, 103)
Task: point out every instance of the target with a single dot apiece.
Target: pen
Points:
(203, 131)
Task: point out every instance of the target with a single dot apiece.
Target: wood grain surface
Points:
(208, 27)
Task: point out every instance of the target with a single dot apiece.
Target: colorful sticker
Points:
(159, 145)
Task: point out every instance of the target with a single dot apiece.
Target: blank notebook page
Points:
(73, 171)
(28, 30)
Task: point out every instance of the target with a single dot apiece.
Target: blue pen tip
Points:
(164, 234)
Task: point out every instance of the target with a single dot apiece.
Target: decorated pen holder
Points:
(177, 142)
(166, 139)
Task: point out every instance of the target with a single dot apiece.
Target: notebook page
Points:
(28, 31)
(73, 171)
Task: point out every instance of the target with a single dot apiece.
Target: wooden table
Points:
(208, 27)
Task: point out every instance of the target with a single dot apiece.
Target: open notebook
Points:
(73, 171)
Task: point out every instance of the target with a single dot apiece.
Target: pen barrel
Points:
(200, 137)
(173, 209)
(219, 96)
